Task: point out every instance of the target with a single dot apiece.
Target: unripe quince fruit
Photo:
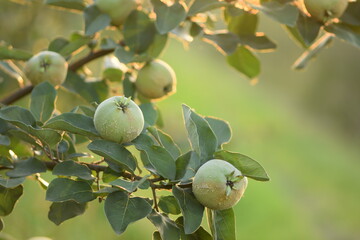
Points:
(46, 66)
(156, 80)
(218, 185)
(119, 119)
(324, 10)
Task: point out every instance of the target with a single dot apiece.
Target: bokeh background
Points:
(303, 127)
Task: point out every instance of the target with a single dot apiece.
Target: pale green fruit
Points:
(46, 66)
(119, 119)
(324, 10)
(156, 80)
(218, 185)
(118, 10)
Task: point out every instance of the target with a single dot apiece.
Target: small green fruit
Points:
(119, 119)
(324, 10)
(156, 80)
(218, 185)
(118, 10)
(46, 66)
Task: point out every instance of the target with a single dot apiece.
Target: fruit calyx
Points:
(123, 103)
(167, 88)
(44, 64)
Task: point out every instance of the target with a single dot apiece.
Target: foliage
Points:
(59, 120)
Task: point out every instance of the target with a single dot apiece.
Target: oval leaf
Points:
(64, 189)
(168, 17)
(115, 153)
(42, 101)
(27, 167)
(246, 165)
(71, 168)
(74, 123)
(62, 211)
(8, 199)
(121, 210)
(166, 227)
(191, 209)
(200, 134)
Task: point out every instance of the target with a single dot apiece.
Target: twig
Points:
(155, 200)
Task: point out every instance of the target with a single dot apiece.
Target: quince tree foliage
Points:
(59, 119)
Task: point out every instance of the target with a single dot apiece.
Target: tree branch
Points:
(22, 92)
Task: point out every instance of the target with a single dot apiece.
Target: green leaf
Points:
(46, 136)
(149, 112)
(139, 31)
(11, 182)
(186, 166)
(62, 211)
(92, 91)
(308, 28)
(64, 189)
(77, 41)
(168, 17)
(6, 162)
(71, 168)
(224, 42)
(7, 52)
(166, 141)
(200, 134)
(115, 153)
(70, 4)
(191, 209)
(199, 6)
(18, 116)
(169, 205)
(166, 227)
(129, 186)
(156, 236)
(199, 234)
(157, 46)
(245, 62)
(57, 44)
(283, 13)
(241, 22)
(27, 167)
(113, 74)
(223, 224)
(246, 165)
(8, 199)
(158, 156)
(345, 33)
(95, 20)
(1, 225)
(121, 210)
(74, 123)
(351, 15)
(4, 140)
(42, 101)
(221, 129)
(258, 42)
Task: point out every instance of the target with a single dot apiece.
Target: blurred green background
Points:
(303, 127)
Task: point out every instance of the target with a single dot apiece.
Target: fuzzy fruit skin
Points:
(117, 124)
(118, 10)
(156, 80)
(319, 8)
(210, 183)
(46, 66)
